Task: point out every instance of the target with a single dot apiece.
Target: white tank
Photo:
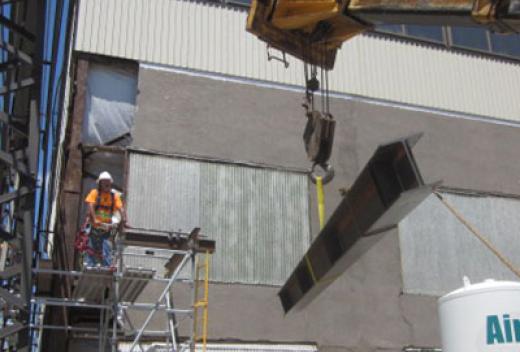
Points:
(483, 317)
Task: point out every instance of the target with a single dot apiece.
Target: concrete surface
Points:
(364, 310)
(194, 115)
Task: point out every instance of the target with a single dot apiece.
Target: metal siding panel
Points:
(90, 25)
(184, 14)
(124, 24)
(172, 40)
(163, 195)
(84, 30)
(94, 40)
(113, 28)
(103, 37)
(140, 30)
(147, 24)
(212, 38)
(437, 250)
(135, 29)
(259, 218)
(81, 23)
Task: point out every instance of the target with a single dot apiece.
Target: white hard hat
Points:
(104, 176)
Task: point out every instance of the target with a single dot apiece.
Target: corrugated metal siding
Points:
(259, 218)
(211, 38)
(163, 194)
(437, 250)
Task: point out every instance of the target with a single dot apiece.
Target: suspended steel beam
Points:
(15, 27)
(386, 190)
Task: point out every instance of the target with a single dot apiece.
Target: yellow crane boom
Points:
(313, 30)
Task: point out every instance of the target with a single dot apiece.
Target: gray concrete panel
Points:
(364, 310)
(194, 115)
(438, 250)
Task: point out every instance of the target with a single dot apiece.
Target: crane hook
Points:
(327, 168)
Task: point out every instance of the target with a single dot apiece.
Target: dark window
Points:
(473, 38)
(433, 33)
(391, 28)
(245, 3)
(506, 44)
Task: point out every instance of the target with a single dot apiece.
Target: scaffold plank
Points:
(98, 282)
(92, 287)
(132, 284)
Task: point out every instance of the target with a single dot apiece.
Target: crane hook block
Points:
(329, 173)
(318, 136)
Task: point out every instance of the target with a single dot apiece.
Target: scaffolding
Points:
(103, 297)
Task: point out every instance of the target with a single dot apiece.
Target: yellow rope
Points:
(321, 215)
(470, 227)
(321, 201)
(309, 266)
(475, 232)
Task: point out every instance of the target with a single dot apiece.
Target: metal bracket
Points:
(282, 59)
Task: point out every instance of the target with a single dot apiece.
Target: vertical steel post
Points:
(171, 322)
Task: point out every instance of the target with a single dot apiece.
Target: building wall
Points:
(257, 216)
(199, 116)
(365, 309)
(437, 250)
(211, 38)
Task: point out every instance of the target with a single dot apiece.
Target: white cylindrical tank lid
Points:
(481, 287)
(484, 317)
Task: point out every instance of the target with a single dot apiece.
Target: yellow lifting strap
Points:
(321, 201)
(321, 214)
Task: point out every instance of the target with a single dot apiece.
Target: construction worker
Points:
(102, 203)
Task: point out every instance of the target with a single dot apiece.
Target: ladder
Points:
(201, 303)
